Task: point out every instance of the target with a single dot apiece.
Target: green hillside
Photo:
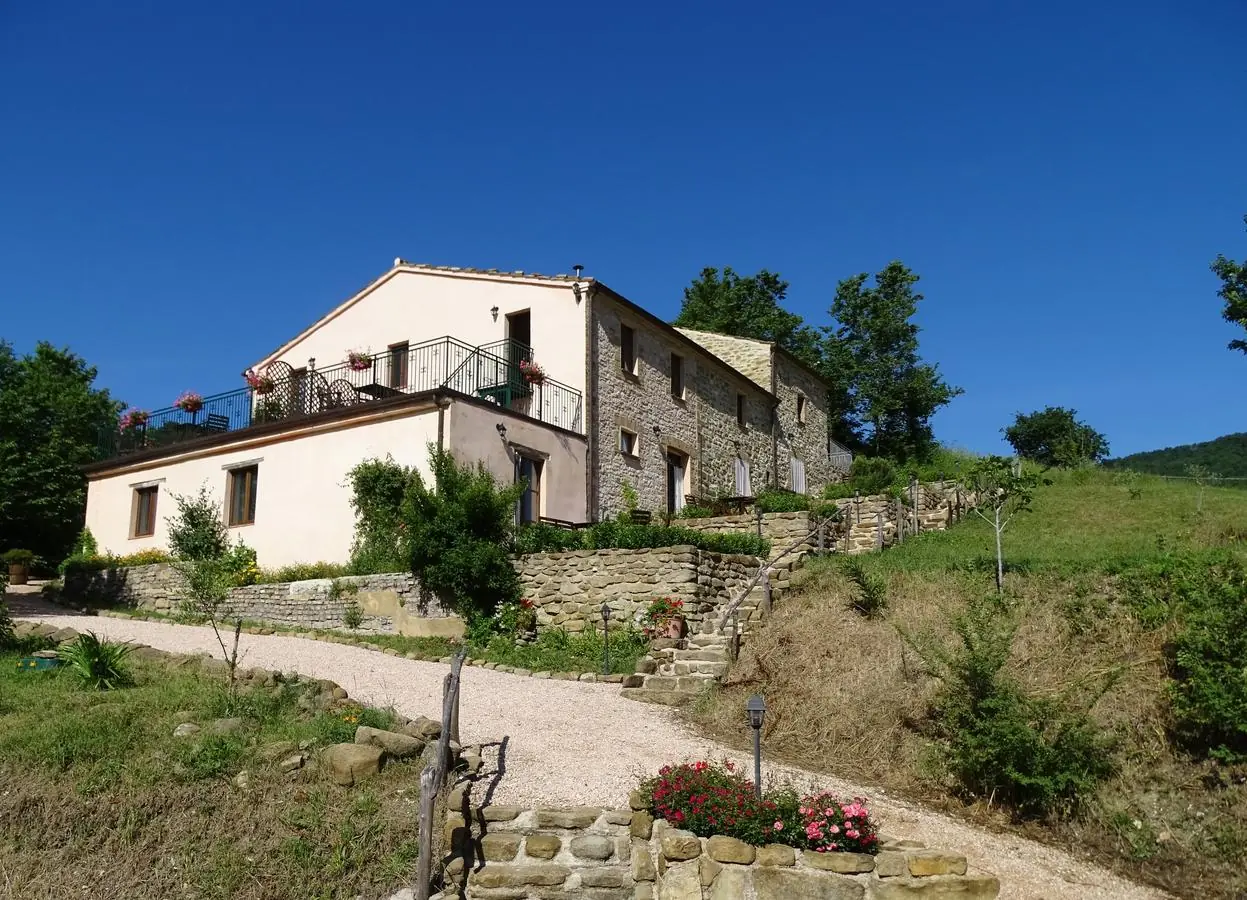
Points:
(1226, 456)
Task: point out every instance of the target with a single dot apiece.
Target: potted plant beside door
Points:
(19, 563)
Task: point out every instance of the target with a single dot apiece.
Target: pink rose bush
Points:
(709, 799)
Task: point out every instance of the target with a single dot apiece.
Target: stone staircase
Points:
(676, 671)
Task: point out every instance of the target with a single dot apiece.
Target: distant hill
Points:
(1226, 456)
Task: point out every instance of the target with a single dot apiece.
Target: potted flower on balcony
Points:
(190, 402)
(133, 419)
(261, 384)
(359, 360)
(19, 563)
(532, 372)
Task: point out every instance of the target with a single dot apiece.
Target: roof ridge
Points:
(471, 270)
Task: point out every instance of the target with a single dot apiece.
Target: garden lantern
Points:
(606, 639)
(756, 708)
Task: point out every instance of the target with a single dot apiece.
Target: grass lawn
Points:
(853, 696)
(101, 800)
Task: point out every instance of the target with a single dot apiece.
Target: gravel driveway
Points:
(570, 743)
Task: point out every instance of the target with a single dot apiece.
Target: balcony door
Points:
(677, 465)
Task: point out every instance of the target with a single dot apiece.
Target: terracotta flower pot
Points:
(675, 628)
(18, 573)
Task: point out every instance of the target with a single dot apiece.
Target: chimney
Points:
(578, 270)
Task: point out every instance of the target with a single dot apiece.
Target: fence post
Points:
(900, 522)
(857, 507)
(757, 511)
(913, 490)
(822, 536)
(735, 634)
(766, 590)
(879, 530)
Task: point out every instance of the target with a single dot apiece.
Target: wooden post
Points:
(900, 522)
(822, 536)
(879, 530)
(428, 800)
(735, 634)
(913, 490)
(757, 511)
(766, 590)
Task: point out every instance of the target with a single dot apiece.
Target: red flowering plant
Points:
(532, 372)
(133, 419)
(659, 614)
(261, 384)
(709, 799)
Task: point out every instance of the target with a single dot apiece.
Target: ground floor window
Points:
(242, 490)
(143, 517)
(528, 472)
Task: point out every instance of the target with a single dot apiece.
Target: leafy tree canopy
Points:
(1233, 291)
(50, 417)
(1226, 455)
(892, 393)
(1054, 437)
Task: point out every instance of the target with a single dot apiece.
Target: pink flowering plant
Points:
(261, 384)
(834, 824)
(532, 372)
(359, 360)
(709, 799)
(133, 418)
(189, 402)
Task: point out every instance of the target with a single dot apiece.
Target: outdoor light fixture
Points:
(502, 430)
(756, 708)
(494, 312)
(606, 639)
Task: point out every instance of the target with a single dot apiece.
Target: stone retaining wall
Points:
(781, 529)
(568, 589)
(623, 854)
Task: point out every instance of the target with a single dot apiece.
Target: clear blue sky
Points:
(187, 185)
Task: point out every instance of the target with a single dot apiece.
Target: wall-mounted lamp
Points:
(657, 430)
(502, 430)
(494, 312)
(576, 292)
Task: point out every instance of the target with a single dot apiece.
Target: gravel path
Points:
(569, 743)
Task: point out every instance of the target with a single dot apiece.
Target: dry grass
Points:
(850, 696)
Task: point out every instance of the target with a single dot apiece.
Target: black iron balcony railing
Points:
(282, 392)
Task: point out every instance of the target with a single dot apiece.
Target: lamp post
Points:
(756, 708)
(606, 639)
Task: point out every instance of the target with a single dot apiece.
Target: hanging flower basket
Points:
(532, 372)
(359, 360)
(261, 384)
(189, 402)
(133, 419)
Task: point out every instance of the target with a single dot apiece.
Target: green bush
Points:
(539, 538)
(694, 511)
(781, 501)
(377, 490)
(302, 572)
(1037, 755)
(872, 475)
(80, 565)
(1208, 664)
(197, 531)
(8, 640)
(95, 664)
(872, 588)
(17, 557)
(612, 534)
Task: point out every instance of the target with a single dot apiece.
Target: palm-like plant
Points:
(98, 665)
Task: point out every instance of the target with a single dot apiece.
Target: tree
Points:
(999, 489)
(1233, 291)
(50, 419)
(748, 306)
(1054, 437)
(892, 393)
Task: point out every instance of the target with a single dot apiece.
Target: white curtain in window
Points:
(743, 486)
(798, 475)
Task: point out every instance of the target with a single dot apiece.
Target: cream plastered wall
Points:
(473, 435)
(416, 306)
(303, 510)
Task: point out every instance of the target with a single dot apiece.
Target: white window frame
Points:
(635, 450)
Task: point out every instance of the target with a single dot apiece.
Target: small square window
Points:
(740, 410)
(627, 442)
(143, 518)
(677, 376)
(627, 349)
(800, 409)
(242, 486)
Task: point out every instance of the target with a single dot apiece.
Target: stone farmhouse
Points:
(553, 379)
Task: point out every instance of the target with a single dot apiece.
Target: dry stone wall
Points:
(587, 853)
(568, 589)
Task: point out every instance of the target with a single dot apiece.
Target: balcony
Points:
(282, 393)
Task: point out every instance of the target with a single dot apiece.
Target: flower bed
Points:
(710, 800)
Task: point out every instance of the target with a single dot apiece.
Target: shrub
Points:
(240, 561)
(196, 530)
(8, 640)
(1037, 755)
(707, 800)
(540, 538)
(1208, 662)
(460, 532)
(613, 534)
(872, 475)
(872, 588)
(79, 565)
(694, 511)
(352, 616)
(302, 572)
(377, 490)
(17, 557)
(781, 501)
(95, 664)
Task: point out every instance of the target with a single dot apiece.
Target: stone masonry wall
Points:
(781, 529)
(805, 439)
(307, 604)
(568, 589)
(701, 425)
(587, 853)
